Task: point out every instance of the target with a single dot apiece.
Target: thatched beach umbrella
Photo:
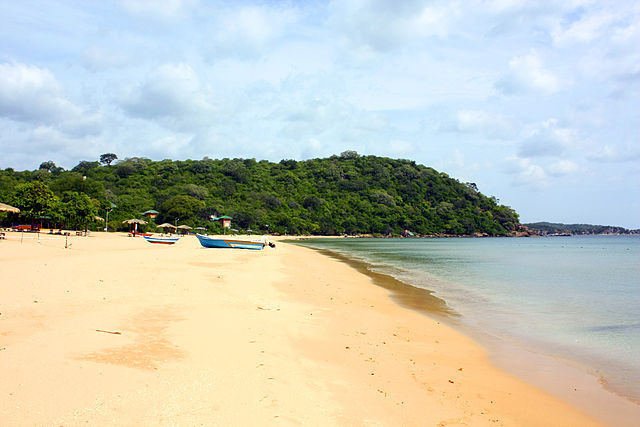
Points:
(8, 208)
(184, 228)
(134, 221)
(166, 225)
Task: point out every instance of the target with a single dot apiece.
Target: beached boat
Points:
(161, 240)
(219, 242)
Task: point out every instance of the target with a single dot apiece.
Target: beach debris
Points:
(109, 332)
(459, 369)
(451, 381)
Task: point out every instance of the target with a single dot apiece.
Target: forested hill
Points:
(349, 193)
(550, 228)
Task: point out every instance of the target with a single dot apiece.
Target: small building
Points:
(150, 213)
(225, 221)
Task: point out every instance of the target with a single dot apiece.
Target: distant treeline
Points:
(547, 228)
(349, 193)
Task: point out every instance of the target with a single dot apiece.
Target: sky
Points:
(537, 102)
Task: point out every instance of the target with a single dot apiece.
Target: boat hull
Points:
(160, 240)
(212, 242)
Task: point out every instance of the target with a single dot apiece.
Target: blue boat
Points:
(218, 242)
(161, 240)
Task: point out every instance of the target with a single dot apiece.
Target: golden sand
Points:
(116, 331)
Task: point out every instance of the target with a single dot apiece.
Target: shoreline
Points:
(143, 334)
(569, 380)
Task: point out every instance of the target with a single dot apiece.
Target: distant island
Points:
(556, 229)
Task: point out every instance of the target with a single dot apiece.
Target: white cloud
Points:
(173, 146)
(527, 73)
(164, 8)
(32, 94)
(614, 59)
(526, 173)
(586, 29)
(616, 154)
(34, 97)
(383, 26)
(547, 139)
(563, 167)
(247, 31)
(624, 34)
(58, 144)
(96, 58)
(172, 94)
(492, 125)
(400, 148)
(313, 148)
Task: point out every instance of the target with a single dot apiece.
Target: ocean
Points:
(575, 298)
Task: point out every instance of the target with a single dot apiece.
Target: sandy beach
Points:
(115, 331)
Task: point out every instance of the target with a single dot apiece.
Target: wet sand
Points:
(565, 379)
(116, 331)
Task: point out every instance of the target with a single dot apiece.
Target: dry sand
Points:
(116, 331)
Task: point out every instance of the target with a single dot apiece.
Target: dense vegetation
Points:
(342, 194)
(546, 228)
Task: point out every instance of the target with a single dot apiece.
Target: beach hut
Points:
(225, 221)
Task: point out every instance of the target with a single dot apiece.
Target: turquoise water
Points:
(575, 297)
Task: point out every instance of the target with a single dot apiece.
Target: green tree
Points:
(108, 158)
(35, 199)
(183, 207)
(78, 209)
(48, 166)
(344, 193)
(349, 154)
(84, 167)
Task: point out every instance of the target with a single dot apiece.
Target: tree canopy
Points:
(349, 193)
(108, 158)
(34, 199)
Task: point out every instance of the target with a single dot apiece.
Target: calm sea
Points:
(574, 297)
